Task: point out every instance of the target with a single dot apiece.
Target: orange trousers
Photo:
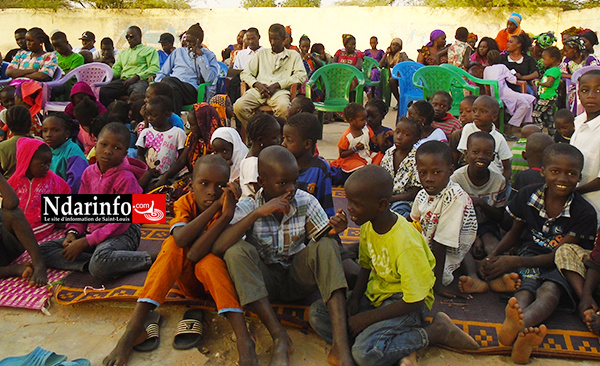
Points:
(194, 279)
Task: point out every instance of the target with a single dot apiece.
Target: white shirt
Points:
(242, 57)
(248, 176)
(502, 150)
(77, 49)
(587, 139)
(98, 54)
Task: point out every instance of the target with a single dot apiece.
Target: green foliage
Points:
(258, 3)
(98, 4)
(301, 3)
(34, 4)
(525, 4)
(364, 2)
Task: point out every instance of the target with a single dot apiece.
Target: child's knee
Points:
(550, 291)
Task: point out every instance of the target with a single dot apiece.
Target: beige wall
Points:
(324, 25)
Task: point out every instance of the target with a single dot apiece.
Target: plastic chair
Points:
(201, 96)
(491, 85)
(384, 86)
(433, 78)
(404, 72)
(368, 65)
(4, 80)
(94, 74)
(223, 69)
(336, 80)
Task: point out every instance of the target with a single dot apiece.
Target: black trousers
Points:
(183, 93)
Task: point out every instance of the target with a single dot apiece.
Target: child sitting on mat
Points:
(186, 259)
(395, 287)
(545, 218)
(106, 250)
(32, 178)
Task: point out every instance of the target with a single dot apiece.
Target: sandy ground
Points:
(91, 330)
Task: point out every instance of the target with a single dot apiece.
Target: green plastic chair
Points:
(201, 94)
(368, 65)
(384, 86)
(493, 86)
(336, 80)
(433, 78)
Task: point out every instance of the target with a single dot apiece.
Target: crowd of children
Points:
(456, 211)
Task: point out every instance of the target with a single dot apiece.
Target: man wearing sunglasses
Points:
(132, 69)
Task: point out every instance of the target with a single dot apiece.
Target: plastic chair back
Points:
(368, 65)
(336, 80)
(433, 78)
(4, 80)
(223, 69)
(403, 72)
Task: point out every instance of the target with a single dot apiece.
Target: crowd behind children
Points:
(446, 206)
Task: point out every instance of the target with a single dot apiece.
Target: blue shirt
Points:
(176, 121)
(190, 70)
(162, 57)
(316, 180)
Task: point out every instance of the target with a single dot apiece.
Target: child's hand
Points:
(360, 146)
(495, 267)
(68, 239)
(338, 222)
(75, 248)
(228, 201)
(236, 189)
(277, 204)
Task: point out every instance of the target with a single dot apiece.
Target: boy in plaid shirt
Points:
(271, 255)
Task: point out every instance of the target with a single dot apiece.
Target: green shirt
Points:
(8, 155)
(400, 262)
(140, 60)
(68, 63)
(550, 92)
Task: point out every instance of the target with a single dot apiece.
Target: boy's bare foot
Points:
(120, 354)
(470, 285)
(410, 360)
(592, 320)
(247, 353)
(338, 357)
(513, 323)
(510, 282)
(443, 331)
(528, 340)
(282, 349)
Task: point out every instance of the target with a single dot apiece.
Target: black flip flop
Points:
(152, 326)
(189, 330)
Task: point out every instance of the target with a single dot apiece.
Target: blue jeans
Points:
(108, 260)
(383, 343)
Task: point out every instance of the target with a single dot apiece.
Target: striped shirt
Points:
(278, 241)
(448, 124)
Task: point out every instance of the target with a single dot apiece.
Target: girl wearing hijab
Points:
(513, 28)
(226, 141)
(434, 52)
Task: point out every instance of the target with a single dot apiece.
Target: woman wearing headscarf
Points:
(576, 57)
(393, 56)
(434, 52)
(513, 28)
(349, 55)
(590, 39)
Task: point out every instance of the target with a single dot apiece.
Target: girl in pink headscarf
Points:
(435, 52)
(32, 178)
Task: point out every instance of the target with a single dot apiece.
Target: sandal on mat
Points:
(37, 357)
(152, 326)
(189, 330)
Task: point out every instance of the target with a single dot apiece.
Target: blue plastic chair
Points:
(223, 69)
(403, 72)
(4, 80)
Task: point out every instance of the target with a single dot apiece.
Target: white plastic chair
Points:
(94, 74)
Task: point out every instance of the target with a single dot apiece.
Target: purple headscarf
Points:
(435, 35)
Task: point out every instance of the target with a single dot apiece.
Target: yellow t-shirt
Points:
(400, 262)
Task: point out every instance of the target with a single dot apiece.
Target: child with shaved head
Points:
(395, 286)
(281, 257)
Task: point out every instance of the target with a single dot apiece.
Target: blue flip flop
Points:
(37, 357)
(77, 362)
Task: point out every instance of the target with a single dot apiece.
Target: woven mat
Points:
(16, 293)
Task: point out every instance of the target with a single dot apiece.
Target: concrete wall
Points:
(324, 25)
